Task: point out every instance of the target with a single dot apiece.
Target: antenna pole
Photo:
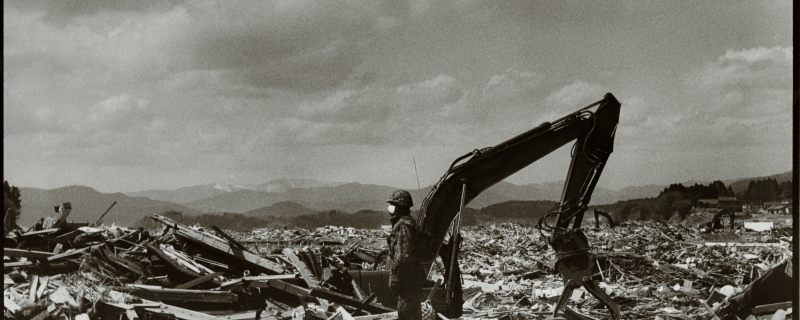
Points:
(419, 189)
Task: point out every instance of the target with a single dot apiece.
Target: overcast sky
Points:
(133, 95)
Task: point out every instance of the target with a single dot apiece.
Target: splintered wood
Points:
(651, 270)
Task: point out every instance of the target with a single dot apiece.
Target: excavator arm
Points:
(469, 175)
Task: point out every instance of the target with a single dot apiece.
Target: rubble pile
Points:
(650, 269)
(181, 272)
(60, 270)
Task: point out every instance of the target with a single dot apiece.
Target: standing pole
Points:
(454, 248)
(104, 213)
(419, 189)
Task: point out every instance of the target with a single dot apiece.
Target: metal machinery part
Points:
(472, 173)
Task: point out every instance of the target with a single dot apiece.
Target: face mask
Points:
(390, 208)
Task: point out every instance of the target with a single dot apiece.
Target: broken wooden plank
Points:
(42, 286)
(182, 295)
(163, 308)
(241, 315)
(131, 306)
(738, 244)
(41, 232)
(571, 314)
(341, 314)
(72, 252)
(33, 288)
(357, 289)
(173, 262)
(771, 308)
(68, 235)
(302, 269)
(290, 288)
(199, 259)
(63, 212)
(122, 261)
(181, 313)
(230, 239)
(220, 245)
(13, 264)
(199, 280)
(381, 316)
(105, 213)
(31, 254)
(254, 281)
(131, 314)
(328, 295)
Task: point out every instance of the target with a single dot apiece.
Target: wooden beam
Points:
(183, 295)
(170, 261)
(220, 245)
(63, 212)
(11, 252)
(230, 239)
(162, 308)
(72, 252)
(381, 316)
(199, 280)
(13, 264)
(248, 315)
(771, 308)
(302, 269)
(328, 295)
(254, 281)
(570, 314)
(33, 288)
(37, 232)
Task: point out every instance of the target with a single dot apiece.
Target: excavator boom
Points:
(489, 166)
(473, 173)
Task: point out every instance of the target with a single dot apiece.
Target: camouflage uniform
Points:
(406, 273)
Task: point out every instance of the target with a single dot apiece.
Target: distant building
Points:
(730, 203)
(722, 203)
(708, 203)
(774, 203)
(780, 209)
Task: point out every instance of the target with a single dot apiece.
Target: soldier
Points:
(406, 273)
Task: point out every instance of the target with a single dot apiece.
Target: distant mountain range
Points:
(288, 198)
(200, 192)
(88, 204)
(739, 186)
(352, 197)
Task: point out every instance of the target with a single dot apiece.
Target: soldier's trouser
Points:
(408, 304)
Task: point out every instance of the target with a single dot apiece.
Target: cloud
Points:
(295, 132)
(62, 12)
(749, 83)
(569, 98)
(426, 112)
(575, 94)
(304, 46)
(291, 45)
(120, 112)
(755, 68)
(430, 93)
(511, 83)
(347, 106)
(739, 100)
(204, 87)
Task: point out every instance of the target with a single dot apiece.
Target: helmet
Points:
(401, 198)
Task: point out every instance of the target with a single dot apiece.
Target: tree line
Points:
(766, 190)
(677, 200)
